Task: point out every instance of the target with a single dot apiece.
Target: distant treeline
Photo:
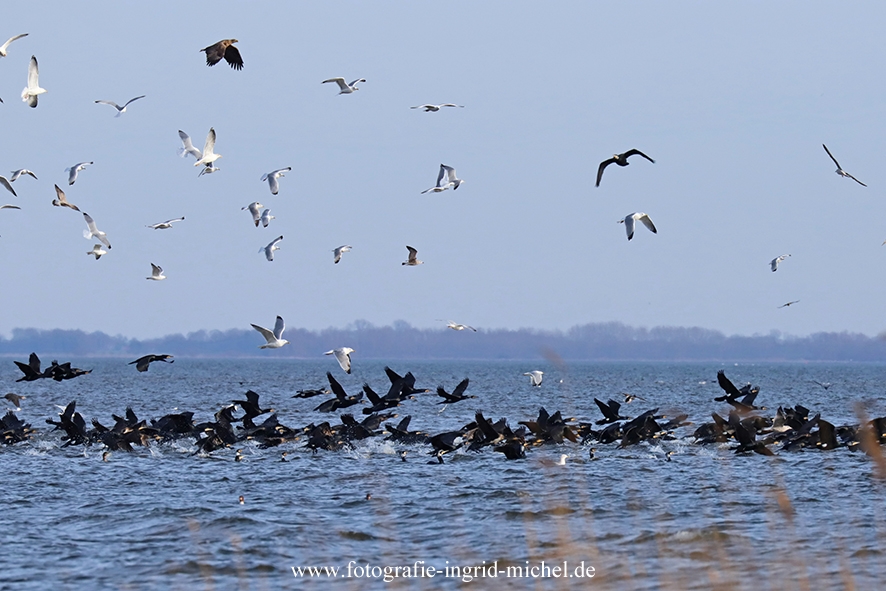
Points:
(591, 342)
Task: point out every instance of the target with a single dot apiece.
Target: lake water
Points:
(164, 518)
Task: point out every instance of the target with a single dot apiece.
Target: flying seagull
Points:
(455, 326)
(340, 251)
(345, 87)
(142, 363)
(61, 201)
(638, 216)
(435, 108)
(840, 170)
(5, 46)
(343, 355)
(255, 209)
(8, 206)
(208, 156)
(120, 110)
(19, 172)
(535, 377)
(6, 184)
(773, 264)
(209, 169)
(412, 260)
(452, 181)
(97, 250)
(75, 170)
(274, 339)
(224, 49)
(165, 225)
(266, 218)
(789, 304)
(271, 247)
(32, 90)
(93, 232)
(188, 146)
(272, 177)
(156, 273)
(621, 160)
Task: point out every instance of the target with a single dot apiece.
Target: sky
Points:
(733, 101)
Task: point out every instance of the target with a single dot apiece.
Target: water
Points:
(162, 518)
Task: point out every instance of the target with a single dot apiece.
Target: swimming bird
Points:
(93, 231)
(621, 160)
(266, 218)
(274, 339)
(5, 46)
(19, 172)
(224, 49)
(165, 225)
(788, 304)
(535, 377)
(32, 90)
(75, 170)
(120, 110)
(630, 219)
(435, 108)
(97, 250)
(337, 252)
(272, 177)
(411, 261)
(840, 170)
(255, 209)
(343, 355)
(156, 273)
(62, 201)
(456, 326)
(452, 181)
(773, 264)
(188, 146)
(271, 247)
(208, 155)
(345, 87)
(142, 363)
(15, 399)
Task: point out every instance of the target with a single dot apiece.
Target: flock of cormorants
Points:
(745, 427)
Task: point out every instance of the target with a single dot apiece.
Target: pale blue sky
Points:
(732, 101)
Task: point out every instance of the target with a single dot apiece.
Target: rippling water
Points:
(162, 518)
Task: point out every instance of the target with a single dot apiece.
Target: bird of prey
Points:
(61, 200)
(412, 260)
(156, 273)
(7, 184)
(638, 216)
(266, 218)
(5, 46)
(840, 170)
(452, 181)
(435, 108)
(343, 356)
(535, 377)
(274, 339)
(272, 177)
(93, 232)
(120, 110)
(789, 304)
(19, 172)
(165, 225)
(224, 49)
(188, 146)
(75, 170)
(254, 209)
(271, 247)
(97, 250)
(209, 156)
(621, 160)
(344, 86)
(142, 363)
(32, 90)
(337, 252)
(773, 264)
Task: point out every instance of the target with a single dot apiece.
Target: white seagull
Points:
(456, 326)
(272, 177)
(120, 110)
(209, 169)
(639, 216)
(345, 87)
(337, 252)
(75, 170)
(188, 146)
(156, 273)
(412, 260)
(209, 156)
(266, 218)
(773, 264)
(255, 209)
(7, 184)
(165, 225)
(5, 46)
(32, 90)
(97, 250)
(343, 355)
(435, 108)
(62, 201)
(535, 377)
(840, 170)
(270, 248)
(274, 339)
(93, 232)
(452, 182)
(19, 172)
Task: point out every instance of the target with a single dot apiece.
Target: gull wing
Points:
(351, 85)
(832, 156)
(209, 146)
(269, 336)
(344, 360)
(648, 223)
(266, 217)
(90, 223)
(273, 183)
(188, 146)
(6, 184)
(279, 326)
(413, 254)
(112, 103)
(629, 226)
(155, 270)
(5, 46)
(855, 179)
(126, 104)
(33, 75)
(340, 81)
(450, 173)
(440, 174)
